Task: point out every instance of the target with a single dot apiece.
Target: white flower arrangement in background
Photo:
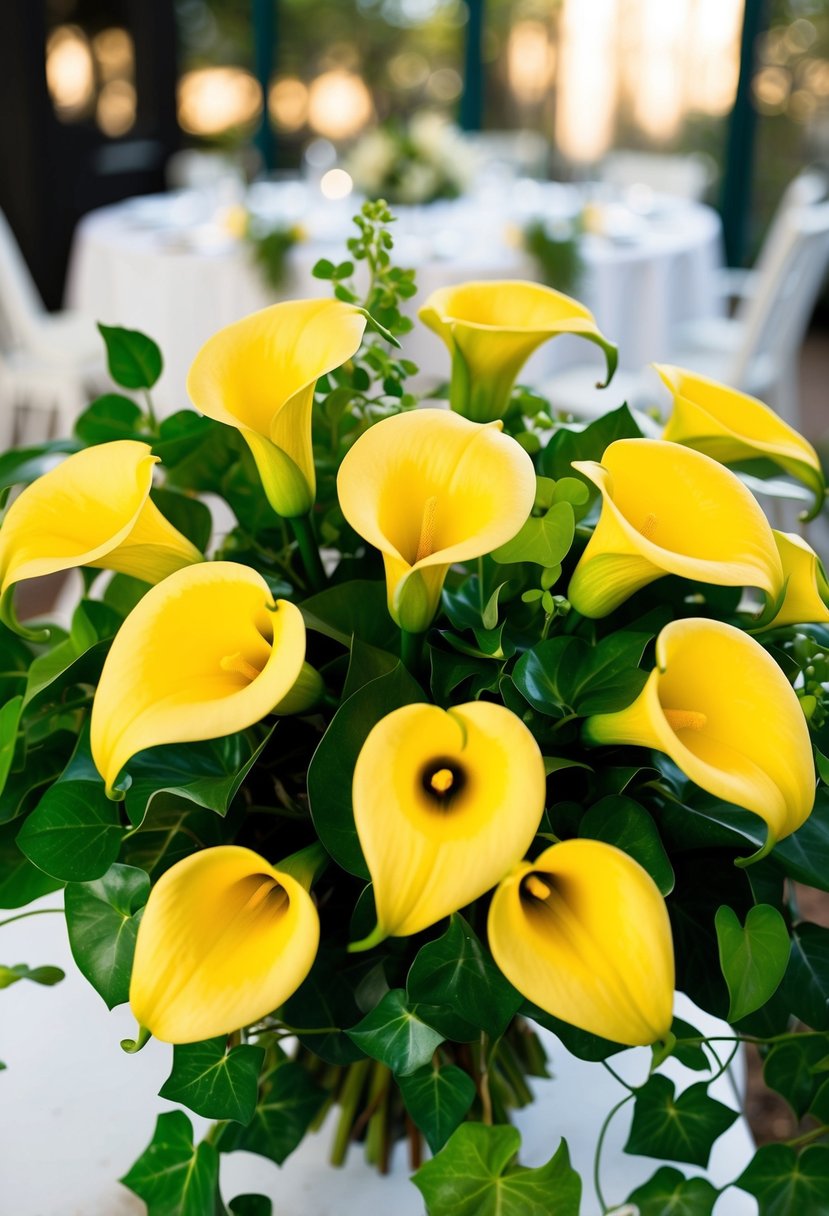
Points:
(426, 159)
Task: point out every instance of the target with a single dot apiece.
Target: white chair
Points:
(755, 351)
(50, 363)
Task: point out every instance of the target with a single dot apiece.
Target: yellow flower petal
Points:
(667, 509)
(204, 654)
(729, 426)
(429, 488)
(583, 933)
(492, 328)
(259, 375)
(93, 509)
(721, 708)
(806, 601)
(445, 803)
(225, 939)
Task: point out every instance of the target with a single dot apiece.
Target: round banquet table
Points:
(168, 265)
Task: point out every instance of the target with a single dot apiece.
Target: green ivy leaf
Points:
(173, 828)
(753, 958)
(79, 657)
(394, 1034)
(437, 1099)
(213, 1081)
(289, 1102)
(692, 1055)
(807, 978)
(624, 823)
(576, 442)
(332, 765)
(109, 417)
(20, 881)
(102, 919)
(455, 971)
(134, 360)
(9, 722)
(354, 609)
(475, 1175)
(563, 675)
(325, 998)
(785, 1184)
(22, 465)
(545, 540)
(189, 514)
(48, 976)
(251, 1205)
(681, 1127)
(669, 1191)
(172, 1176)
(804, 855)
(792, 1069)
(579, 1042)
(74, 832)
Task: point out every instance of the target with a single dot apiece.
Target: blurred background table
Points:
(170, 266)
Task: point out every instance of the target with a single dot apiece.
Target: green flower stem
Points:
(376, 1112)
(34, 912)
(816, 1133)
(355, 1079)
(151, 418)
(513, 1073)
(599, 1145)
(411, 650)
(303, 530)
(214, 1131)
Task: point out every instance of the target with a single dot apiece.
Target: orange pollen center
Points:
(537, 887)
(686, 719)
(238, 665)
(442, 780)
(426, 540)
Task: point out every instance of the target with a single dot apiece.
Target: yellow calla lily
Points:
(445, 803)
(492, 328)
(667, 509)
(224, 940)
(583, 933)
(259, 375)
(204, 654)
(721, 708)
(93, 509)
(806, 601)
(429, 488)
(730, 425)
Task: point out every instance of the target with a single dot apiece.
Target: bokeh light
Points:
(288, 103)
(339, 104)
(70, 72)
(214, 100)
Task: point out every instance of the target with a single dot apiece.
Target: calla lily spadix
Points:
(224, 940)
(806, 601)
(730, 426)
(583, 933)
(259, 375)
(445, 802)
(202, 655)
(718, 704)
(429, 488)
(667, 509)
(93, 509)
(492, 328)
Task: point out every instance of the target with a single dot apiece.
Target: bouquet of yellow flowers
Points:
(476, 720)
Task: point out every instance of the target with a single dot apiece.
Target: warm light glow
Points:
(444, 85)
(771, 88)
(655, 72)
(212, 100)
(114, 54)
(70, 74)
(530, 62)
(714, 55)
(587, 79)
(115, 111)
(288, 103)
(339, 104)
(336, 183)
(409, 69)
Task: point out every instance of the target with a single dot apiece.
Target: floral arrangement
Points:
(269, 241)
(420, 161)
(556, 250)
(531, 741)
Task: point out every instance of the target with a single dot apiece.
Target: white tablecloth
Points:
(165, 265)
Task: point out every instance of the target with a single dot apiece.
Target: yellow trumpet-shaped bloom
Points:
(445, 803)
(259, 375)
(730, 426)
(806, 600)
(225, 939)
(204, 654)
(583, 933)
(492, 328)
(429, 488)
(93, 509)
(668, 509)
(721, 708)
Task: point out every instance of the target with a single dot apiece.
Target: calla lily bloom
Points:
(721, 708)
(445, 803)
(429, 488)
(259, 375)
(667, 509)
(204, 654)
(93, 509)
(730, 426)
(492, 328)
(806, 601)
(224, 940)
(583, 933)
